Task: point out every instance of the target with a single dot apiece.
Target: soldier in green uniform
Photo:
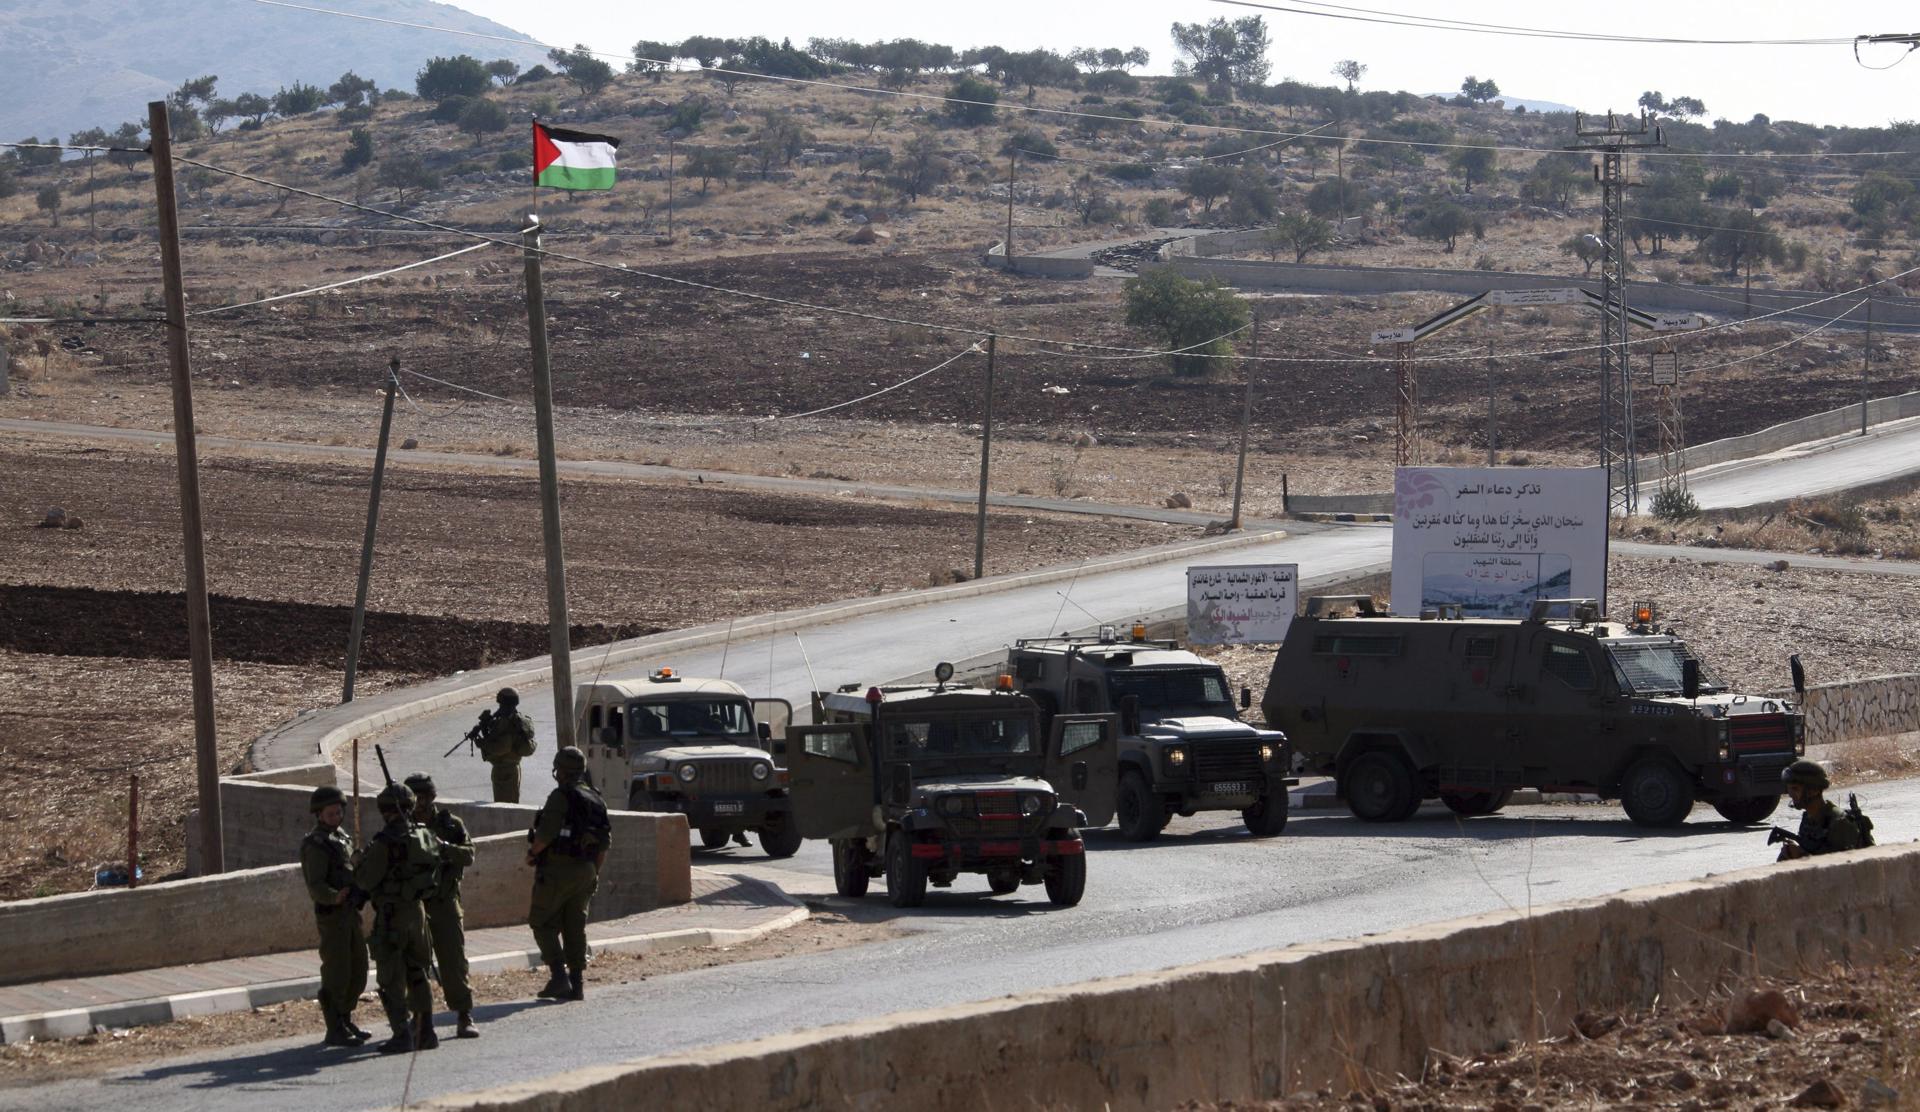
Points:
(326, 856)
(399, 868)
(506, 737)
(445, 918)
(1824, 828)
(570, 839)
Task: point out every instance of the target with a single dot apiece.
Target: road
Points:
(1888, 451)
(1204, 891)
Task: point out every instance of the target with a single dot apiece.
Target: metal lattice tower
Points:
(1617, 426)
(1406, 441)
(1672, 422)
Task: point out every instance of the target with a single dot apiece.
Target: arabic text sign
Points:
(1492, 539)
(1241, 604)
(1666, 368)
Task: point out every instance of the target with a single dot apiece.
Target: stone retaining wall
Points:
(1038, 266)
(1863, 708)
(1263, 1025)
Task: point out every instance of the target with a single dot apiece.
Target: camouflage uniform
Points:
(1825, 828)
(507, 740)
(326, 854)
(398, 869)
(445, 917)
(566, 874)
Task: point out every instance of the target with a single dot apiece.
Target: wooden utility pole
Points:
(1246, 421)
(1011, 155)
(1866, 365)
(986, 451)
(366, 541)
(1493, 430)
(669, 188)
(206, 749)
(562, 647)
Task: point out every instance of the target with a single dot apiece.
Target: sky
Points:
(1816, 84)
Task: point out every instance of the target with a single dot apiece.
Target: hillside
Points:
(66, 65)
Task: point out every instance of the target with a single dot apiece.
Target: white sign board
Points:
(1492, 539)
(1241, 604)
(1557, 296)
(1394, 336)
(1666, 368)
(1675, 322)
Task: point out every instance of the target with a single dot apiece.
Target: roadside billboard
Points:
(1492, 539)
(1241, 604)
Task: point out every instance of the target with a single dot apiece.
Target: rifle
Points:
(477, 733)
(1781, 834)
(384, 770)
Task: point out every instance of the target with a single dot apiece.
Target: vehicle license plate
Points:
(1232, 787)
(725, 807)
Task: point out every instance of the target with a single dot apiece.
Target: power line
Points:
(970, 350)
(345, 282)
(1434, 23)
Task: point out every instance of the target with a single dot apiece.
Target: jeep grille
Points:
(1227, 760)
(727, 776)
(995, 815)
(1762, 733)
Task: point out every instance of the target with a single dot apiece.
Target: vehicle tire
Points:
(906, 874)
(1379, 787)
(850, 869)
(1656, 793)
(1268, 817)
(1066, 879)
(1141, 814)
(1002, 883)
(780, 837)
(1747, 812)
(712, 837)
(1471, 804)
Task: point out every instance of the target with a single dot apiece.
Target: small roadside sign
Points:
(1666, 368)
(1394, 336)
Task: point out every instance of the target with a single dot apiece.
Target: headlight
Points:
(1030, 804)
(688, 772)
(1266, 754)
(762, 770)
(952, 804)
(1176, 757)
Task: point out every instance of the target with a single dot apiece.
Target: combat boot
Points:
(575, 989)
(337, 1033)
(358, 1033)
(558, 986)
(466, 1030)
(426, 1038)
(402, 1040)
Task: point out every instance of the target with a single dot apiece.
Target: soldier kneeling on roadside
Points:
(1824, 827)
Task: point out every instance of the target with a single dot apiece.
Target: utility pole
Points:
(669, 188)
(986, 451)
(366, 540)
(206, 751)
(1617, 447)
(1866, 364)
(1246, 420)
(1493, 430)
(557, 623)
(1011, 155)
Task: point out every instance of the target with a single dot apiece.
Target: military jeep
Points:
(923, 783)
(697, 747)
(1183, 748)
(1401, 709)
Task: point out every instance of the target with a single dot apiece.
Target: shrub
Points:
(359, 150)
(449, 110)
(1159, 212)
(971, 115)
(1130, 172)
(459, 76)
(1675, 504)
(515, 159)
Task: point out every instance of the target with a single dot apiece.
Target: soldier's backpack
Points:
(1860, 821)
(588, 830)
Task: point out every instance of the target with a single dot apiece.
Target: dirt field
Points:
(92, 672)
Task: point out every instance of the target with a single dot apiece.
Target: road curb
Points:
(67, 1023)
(317, 734)
(1340, 518)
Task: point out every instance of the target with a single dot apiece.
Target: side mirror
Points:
(609, 736)
(901, 784)
(1246, 698)
(1799, 675)
(1690, 679)
(766, 731)
(1130, 714)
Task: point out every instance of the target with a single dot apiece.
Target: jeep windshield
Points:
(656, 724)
(1174, 692)
(1653, 667)
(909, 738)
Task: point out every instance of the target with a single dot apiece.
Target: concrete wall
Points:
(1264, 1025)
(1863, 708)
(650, 866)
(1339, 503)
(1038, 266)
(1893, 313)
(236, 914)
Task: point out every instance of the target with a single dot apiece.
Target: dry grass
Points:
(1883, 521)
(1866, 760)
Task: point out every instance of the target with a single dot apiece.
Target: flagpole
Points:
(536, 167)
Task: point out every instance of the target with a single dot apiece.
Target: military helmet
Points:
(570, 758)
(508, 697)
(1807, 774)
(325, 797)
(421, 784)
(395, 797)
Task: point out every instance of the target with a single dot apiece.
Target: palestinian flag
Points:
(565, 159)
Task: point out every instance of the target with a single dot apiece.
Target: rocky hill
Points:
(72, 64)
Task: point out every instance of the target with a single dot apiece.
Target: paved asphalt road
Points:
(1888, 451)
(1205, 890)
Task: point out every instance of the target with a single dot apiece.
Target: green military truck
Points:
(922, 783)
(1401, 709)
(697, 747)
(1183, 748)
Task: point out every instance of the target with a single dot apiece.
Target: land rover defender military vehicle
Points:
(922, 783)
(1183, 748)
(693, 746)
(1400, 709)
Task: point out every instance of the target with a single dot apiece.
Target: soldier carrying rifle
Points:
(505, 738)
(1824, 827)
